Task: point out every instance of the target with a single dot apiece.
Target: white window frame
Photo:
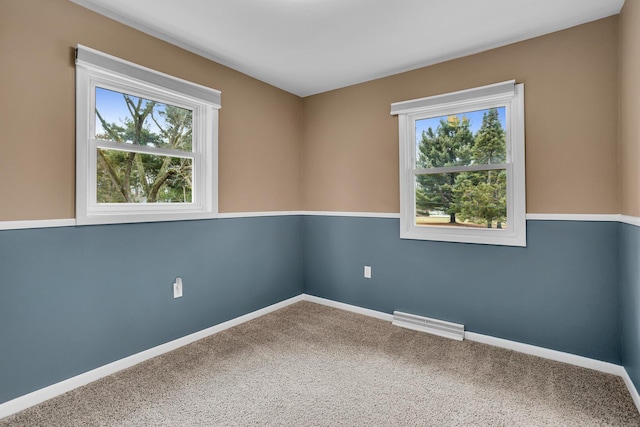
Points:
(97, 69)
(506, 94)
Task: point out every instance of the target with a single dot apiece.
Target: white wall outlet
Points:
(367, 272)
(177, 288)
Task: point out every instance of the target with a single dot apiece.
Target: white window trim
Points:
(94, 68)
(507, 94)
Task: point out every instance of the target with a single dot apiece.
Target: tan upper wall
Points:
(350, 154)
(348, 158)
(630, 107)
(260, 126)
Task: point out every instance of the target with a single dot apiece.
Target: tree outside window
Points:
(463, 199)
(132, 177)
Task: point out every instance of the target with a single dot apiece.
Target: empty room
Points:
(319, 212)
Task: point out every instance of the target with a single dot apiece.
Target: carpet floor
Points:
(310, 365)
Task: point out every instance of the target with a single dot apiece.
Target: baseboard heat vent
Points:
(425, 324)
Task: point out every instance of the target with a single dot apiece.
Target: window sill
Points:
(484, 237)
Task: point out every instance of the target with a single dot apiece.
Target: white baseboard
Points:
(559, 356)
(633, 391)
(23, 402)
(585, 362)
(348, 307)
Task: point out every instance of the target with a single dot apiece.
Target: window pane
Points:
(124, 177)
(462, 199)
(475, 137)
(132, 120)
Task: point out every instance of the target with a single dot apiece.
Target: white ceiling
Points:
(311, 46)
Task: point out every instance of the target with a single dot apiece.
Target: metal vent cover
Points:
(425, 324)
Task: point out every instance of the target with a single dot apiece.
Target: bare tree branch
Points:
(113, 175)
(153, 194)
(106, 126)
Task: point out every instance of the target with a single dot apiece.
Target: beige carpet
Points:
(309, 365)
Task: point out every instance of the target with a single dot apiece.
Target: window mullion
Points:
(454, 169)
(156, 151)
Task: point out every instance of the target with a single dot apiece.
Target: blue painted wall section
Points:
(76, 298)
(560, 292)
(630, 299)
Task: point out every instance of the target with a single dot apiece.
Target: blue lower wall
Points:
(630, 299)
(76, 298)
(560, 292)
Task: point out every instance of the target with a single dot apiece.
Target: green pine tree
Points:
(481, 197)
(490, 142)
(450, 144)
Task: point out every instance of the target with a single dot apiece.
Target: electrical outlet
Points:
(177, 288)
(367, 272)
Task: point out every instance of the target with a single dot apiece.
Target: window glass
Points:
(462, 199)
(129, 119)
(475, 137)
(130, 177)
